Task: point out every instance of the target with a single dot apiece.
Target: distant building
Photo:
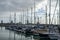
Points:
(27, 22)
(11, 21)
(20, 22)
(1, 21)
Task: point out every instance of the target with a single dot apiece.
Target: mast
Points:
(49, 14)
(15, 18)
(34, 13)
(23, 16)
(59, 12)
(38, 19)
(31, 15)
(27, 16)
(49, 11)
(54, 12)
(10, 18)
(46, 14)
(20, 19)
(46, 17)
(57, 17)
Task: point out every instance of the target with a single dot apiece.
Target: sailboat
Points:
(46, 32)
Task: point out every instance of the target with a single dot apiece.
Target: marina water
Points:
(11, 35)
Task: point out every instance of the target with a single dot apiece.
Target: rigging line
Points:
(54, 12)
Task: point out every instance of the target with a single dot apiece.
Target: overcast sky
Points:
(14, 5)
(11, 6)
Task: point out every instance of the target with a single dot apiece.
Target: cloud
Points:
(41, 11)
(14, 5)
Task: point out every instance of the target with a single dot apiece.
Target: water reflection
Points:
(11, 35)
